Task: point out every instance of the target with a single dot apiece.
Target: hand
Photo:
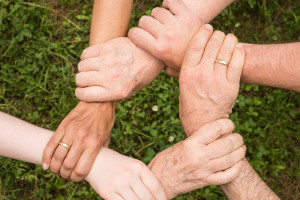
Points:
(114, 70)
(86, 129)
(118, 177)
(208, 157)
(208, 89)
(166, 33)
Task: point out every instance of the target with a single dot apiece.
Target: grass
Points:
(40, 45)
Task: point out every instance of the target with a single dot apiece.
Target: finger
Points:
(91, 78)
(236, 64)
(213, 130)
(162, 15)
(196, 47)
(227, 161)
(141, 190)
(177, 7)
(70, 161)
(212, 48)
(143, 39)
(150, 25)
(94, 94)
(60, 154)
(225, 176)
(112, 196)
(84, 164)
(172, 72)
(127, 194)
(224, 146)
(225, 54)
(90, 64)
(92, 51)
(51, 147)
(153, 185)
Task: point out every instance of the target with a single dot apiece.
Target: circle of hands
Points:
(176, 40)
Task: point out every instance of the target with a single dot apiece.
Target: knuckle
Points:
(228, 161)
(95, 144)
(219, 34)
(226, 124)
(170, 35)
(239, 139)
(82, 134)
(138, 166)
(54, 169)
(142, 21)
(154, 11)
(68, 166)
(81, 171)
(78, 79)
(122, 92)
(160, 49)
(232, 37)
(227, 145)
(58, 156)
(188, 145)
(197, 45)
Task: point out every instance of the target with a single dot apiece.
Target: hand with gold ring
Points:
(72, 149)
(209, 78)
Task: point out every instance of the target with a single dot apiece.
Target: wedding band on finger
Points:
(64, 145)
(222, 62)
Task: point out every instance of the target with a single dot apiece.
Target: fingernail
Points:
(239, 45)
(208, 27)
(45, 166)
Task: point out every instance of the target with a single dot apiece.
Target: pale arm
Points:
(275, 65)
(23, 141)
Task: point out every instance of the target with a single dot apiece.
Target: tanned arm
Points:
(275, 65)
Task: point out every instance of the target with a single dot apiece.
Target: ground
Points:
(40, 45)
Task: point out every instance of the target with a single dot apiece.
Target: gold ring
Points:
(222, 62)
(64, 145)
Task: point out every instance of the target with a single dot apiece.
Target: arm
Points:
(275, 65)
(207, 10)
(202, 99)
(141, 68)
(248, 185)
(87, 127)
(110, 19)
(23, 141)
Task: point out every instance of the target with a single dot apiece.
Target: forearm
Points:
(273, 65)
(248, 186)
(110, 20)
(23, 141)
(207, 10)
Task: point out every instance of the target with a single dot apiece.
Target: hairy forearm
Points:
(207, 10)
(273, 65)
(248, 186)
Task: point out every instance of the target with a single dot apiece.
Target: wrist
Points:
(157, 166)
(192, 122)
